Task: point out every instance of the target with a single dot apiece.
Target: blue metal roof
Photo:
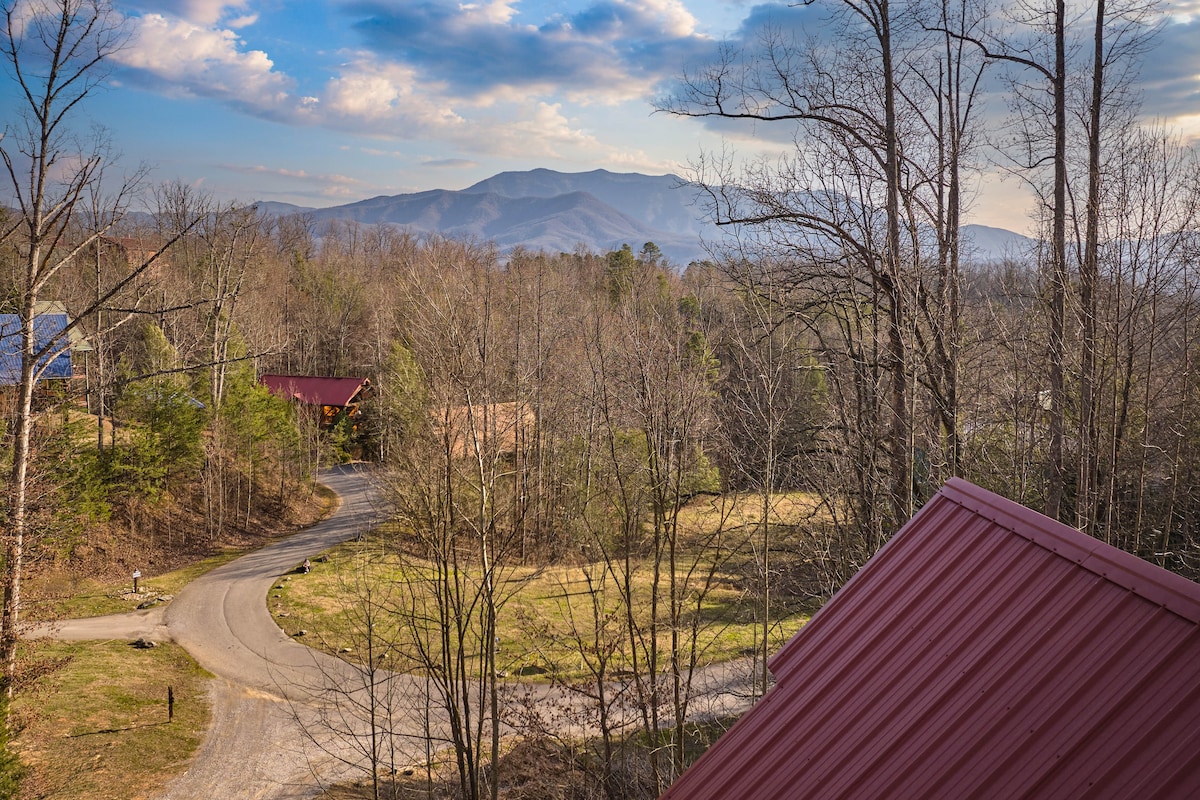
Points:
(48, 329)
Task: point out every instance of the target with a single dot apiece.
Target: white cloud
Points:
(282, 173)
(203, 61)
(21, 16)
(371, 92)
(242, 22)
(640, 161)
(333, 185)
(495, 12)
(1188, 126)
(603, 51)
(612, 87)
(208, 12)
(491, 87)
(1182, 11)
(201, 12)
(543, 126)
(617, 21)
(384, 99)
(671, 16)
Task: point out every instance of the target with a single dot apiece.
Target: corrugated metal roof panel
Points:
(315, 390)
(48, 331)
(987, 652)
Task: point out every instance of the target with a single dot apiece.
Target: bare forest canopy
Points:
(568, 377)
(742, 377)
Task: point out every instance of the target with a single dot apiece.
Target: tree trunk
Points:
(1056, 473)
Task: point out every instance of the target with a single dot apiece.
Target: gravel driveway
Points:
(264, 681)
(271, 693)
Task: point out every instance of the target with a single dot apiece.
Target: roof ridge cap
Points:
(1149, 581)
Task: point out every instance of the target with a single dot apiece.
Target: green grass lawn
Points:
(95, 727)
(553, 621)
(91, 598)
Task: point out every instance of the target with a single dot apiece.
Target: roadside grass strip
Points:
(94, 724)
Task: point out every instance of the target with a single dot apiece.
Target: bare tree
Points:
(358, 705)
(830, 92)
(56, 54)
(1116, 41)
(453, 500)
(1040, 41)
(653, 372)
(857, 231)
(769, 394)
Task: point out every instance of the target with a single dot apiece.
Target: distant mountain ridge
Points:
(663, 202)
(542, 209)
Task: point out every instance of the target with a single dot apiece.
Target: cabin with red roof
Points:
(331, 397)
(987, 652)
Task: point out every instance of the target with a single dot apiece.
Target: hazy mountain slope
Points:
(278, 209)
(990, 244)
(663, 202)
(555, 223)
(599, 210)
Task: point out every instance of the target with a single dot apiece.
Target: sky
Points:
(325, 102)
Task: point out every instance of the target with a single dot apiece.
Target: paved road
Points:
(222, 618)
(265, 683)
(271, 696)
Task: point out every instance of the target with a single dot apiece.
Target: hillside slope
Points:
(598, 211)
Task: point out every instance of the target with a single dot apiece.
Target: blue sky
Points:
(325, 102)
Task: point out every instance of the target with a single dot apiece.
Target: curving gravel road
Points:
(265, 689)
(280, 719)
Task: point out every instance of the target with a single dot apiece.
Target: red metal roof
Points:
(313, 390)
(986, 651)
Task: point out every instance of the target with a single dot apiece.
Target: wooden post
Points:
(170, 703)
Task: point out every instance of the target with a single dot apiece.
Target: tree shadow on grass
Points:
(119, 730)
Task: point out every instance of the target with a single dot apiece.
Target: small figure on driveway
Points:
(307, 566)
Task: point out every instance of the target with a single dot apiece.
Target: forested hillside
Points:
(734, 377)
(595, 211)
(579, 412)
(831, 362)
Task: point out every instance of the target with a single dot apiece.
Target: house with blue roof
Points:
(51, 339)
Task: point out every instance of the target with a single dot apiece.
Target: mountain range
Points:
(598, 211)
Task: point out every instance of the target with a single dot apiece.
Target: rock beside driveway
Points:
(153, 601)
